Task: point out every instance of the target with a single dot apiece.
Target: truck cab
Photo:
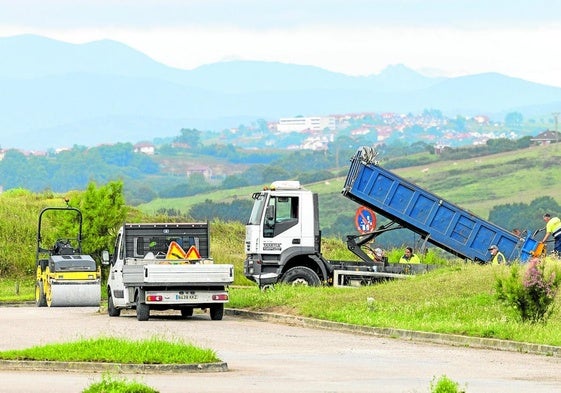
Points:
(283, 238)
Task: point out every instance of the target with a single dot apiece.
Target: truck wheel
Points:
(111, 310)
(301, 275)
(217, 312)
(142, 309)
(187, 312)
(40, 299)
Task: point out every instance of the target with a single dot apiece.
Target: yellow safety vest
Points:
(413, 259)
(553, 226)
(498, 259)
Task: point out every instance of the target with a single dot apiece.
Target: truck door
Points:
(115, 279)
(281, 226)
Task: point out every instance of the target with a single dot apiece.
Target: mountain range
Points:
(59, 94)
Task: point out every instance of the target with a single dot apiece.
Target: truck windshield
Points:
(257, 211)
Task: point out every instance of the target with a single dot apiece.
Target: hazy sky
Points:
(519, 38)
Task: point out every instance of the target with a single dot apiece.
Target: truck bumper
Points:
(265, 279)
(253, 271)
(184, 297)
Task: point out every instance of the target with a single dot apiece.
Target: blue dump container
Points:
(436, 220)
(528, 248)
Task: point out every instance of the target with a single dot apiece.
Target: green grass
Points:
(17, 290)
(185, 203)
(114, 350)
(479, 184)
(112, 384)
(227, 246)
(457, 300)
(454, 300)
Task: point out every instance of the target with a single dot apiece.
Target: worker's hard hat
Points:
(378, 252)
(493, 247)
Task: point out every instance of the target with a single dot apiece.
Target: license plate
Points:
(186, 297)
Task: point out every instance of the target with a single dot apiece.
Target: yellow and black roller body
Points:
(65, 277)
(68, 280)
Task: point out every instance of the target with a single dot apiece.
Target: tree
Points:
(234, 181)
(524, 216)
(262, 125)
(237, 210)
(190, 136)
(14, 170)
(273, 173)
(197, 184)
(103, 209)
(513, 119)
(120, 154)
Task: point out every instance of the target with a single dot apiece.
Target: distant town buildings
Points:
(204, 171)
(547, 137)
(318, 132)
(145, 147)
(298, 124)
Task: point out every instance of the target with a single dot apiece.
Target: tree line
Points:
(145, 179)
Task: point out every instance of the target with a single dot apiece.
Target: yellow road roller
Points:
(65, 277)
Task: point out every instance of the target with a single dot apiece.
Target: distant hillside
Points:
(58, 94)
(476, 184)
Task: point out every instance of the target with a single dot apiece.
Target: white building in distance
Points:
(297, 124)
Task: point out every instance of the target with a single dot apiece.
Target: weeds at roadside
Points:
(111, 384)
(114, 350)
(531, 291)
(445, 385)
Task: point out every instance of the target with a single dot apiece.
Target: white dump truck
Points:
(162, 266)
(283, 236)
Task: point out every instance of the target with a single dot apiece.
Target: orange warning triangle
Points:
(193, 253)
(175, 251)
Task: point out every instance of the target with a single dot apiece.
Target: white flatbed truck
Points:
(162, 266)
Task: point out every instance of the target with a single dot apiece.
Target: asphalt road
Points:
(269, 357)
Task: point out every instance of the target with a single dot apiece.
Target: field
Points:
(476, 184)
(459, 300)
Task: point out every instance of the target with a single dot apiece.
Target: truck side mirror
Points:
(270, 213)
(270, 216)
(105, 257)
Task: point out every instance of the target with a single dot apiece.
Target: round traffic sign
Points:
(365, 220)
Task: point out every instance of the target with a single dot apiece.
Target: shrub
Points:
(445, 385)
(531, 292)
(110, 384)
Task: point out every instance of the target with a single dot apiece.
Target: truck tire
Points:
(111, 309)
(301, 275)
(187, 312)
(142, 309)
(217, 312)
(40, 298)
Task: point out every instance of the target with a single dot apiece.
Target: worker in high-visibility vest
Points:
(409, 257)
(553, 228)
(497, 257)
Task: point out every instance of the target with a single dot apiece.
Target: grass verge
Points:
(453, 300)
(114, 350)
(112, 384)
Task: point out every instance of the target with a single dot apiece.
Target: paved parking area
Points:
(273, 357)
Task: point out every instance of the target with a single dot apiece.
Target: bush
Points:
(531, 292)
(445, 385)
(110, 384)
